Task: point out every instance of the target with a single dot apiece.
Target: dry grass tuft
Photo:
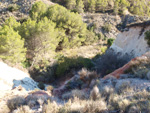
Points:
(51, 107)
(75, 93)
(76, 106)
(49, 88)
(94, 94)
(98, 106)
(87, 76)
(124, 88)
(107, 91)
(23, 109)
(79, 94)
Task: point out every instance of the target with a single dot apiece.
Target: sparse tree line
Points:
(48, 29)
(139, 7)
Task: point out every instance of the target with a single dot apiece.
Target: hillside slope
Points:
(17, 8)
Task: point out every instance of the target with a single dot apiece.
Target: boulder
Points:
(12, 77)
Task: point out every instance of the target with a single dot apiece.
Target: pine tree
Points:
(70, 22)
(11, 45)
(79, 6)
(71, 4)
(11, 22)
(40, 38)
(101, 5)
(38, 10)
(91, 5)
(116, 7)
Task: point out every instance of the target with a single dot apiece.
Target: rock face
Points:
(11, 77)
(132, 41)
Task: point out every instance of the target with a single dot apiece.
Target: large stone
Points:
(12, 77)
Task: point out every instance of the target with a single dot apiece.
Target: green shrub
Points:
(11, 22)
(13, 7)
(26, 64)
(41, 85)
(90, 38)
(101, 36)
(103, 49)
(66, 64)
(107, 27)
(147, 37)
(110, 41)
(38, 10)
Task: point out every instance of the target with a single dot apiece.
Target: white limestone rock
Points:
(11, 77)
(132, 42)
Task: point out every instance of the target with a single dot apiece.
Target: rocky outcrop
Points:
(12, 77)
(132, 40)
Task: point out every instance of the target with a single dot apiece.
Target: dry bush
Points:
(87, 76)
(125, 87)
(23, 109)
(113, 101)
(142, 95)
(79, 94)
(94, 94)
(36, 100)
(75, 93)
(15, 102)
(133, 109)
(49, 88)
(76, 105)
(139, 67)
(137, 101)
(51, 107)
(98, 106)
(107, 91)
(66, 95)
(117, 102)
(66, 108)
(83, 106)
(123, 104)
(31, 103)
(110, 61)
